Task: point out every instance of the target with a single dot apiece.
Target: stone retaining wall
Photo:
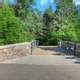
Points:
(14, 51)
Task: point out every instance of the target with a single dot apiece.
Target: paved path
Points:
(40, 67)
(43, 60)
(34, 72)
(47, 50)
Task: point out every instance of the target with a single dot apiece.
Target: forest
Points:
(23, 23)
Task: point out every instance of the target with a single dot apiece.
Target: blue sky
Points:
(76, 2)
(13, 1)
(42, 5)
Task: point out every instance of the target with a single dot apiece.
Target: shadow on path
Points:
(54, 49)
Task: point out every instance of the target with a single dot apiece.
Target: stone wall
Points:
(14, 51)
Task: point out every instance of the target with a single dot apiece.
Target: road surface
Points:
(39, 72)
(40, 67)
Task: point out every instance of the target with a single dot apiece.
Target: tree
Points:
(22, 8)
(33, 24)
(68, 14)
(11, 27)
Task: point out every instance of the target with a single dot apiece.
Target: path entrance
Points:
(47, 50)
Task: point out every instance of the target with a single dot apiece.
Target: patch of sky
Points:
(77, 4)
(43, 5)
(1, 1)
(12, 2)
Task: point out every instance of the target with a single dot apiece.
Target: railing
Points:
(77, 52)
(69, 47)
(34, 45)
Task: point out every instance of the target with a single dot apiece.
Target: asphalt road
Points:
(39, 72)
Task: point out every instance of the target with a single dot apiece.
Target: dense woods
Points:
(20, 23)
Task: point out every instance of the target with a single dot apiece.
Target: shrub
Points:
(11, 27)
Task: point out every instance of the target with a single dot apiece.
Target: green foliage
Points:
(22, 8)
(11, 28)
(77, 27)
(20, 24)
(69, 18)
(60, 25)
(33, 24)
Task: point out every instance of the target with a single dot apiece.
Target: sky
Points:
(76, 2)
(12, 1)
(42, 5)
(8, 1)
